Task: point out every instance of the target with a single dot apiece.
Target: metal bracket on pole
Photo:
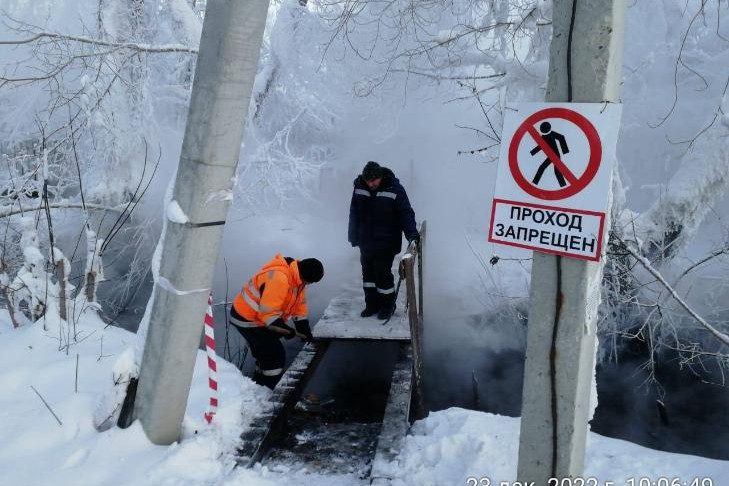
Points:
(204, 225)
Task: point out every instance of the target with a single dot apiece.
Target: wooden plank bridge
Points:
(341, 322)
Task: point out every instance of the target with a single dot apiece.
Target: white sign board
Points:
(553, 177)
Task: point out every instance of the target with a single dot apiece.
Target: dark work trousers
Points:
(269, 353)
(377, 280)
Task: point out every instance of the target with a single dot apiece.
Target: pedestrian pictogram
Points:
(552, 145)
(553, 177)
(558, 144)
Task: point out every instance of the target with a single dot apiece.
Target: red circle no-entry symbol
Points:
(573, 183)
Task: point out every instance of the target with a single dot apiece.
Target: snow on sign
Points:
(553, 177)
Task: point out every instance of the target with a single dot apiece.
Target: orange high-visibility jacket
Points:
(276, 291)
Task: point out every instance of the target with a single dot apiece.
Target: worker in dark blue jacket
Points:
(379, 214)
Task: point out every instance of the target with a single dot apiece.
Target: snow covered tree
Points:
(674, 126)
(87, 90)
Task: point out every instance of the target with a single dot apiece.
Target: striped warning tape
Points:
(212, 364)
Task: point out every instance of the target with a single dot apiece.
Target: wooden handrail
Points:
(413, 254)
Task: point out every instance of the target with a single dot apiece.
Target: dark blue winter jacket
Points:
(378, 218)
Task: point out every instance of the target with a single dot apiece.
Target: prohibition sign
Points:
(576, 183)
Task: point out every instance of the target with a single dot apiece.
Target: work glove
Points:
(279, 327)
(302, 326)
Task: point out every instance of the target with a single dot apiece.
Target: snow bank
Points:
(452, 445)
(36, 448)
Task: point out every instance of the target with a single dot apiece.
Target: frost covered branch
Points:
(492, 50)
(680, 61)
(659, 278)
(147, 48)
(5, 212)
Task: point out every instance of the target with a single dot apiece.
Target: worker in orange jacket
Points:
(263, 306)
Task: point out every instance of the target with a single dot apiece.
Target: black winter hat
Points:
(311, 270)
(372, 170)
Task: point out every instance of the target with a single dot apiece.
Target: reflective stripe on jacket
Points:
(276, 291)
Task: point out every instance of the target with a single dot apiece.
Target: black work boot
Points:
(369, 311)
(372, 303)
(386, 311)
(271, 381)
(387, 305)
(258, 378)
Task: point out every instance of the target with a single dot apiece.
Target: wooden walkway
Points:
(396, 422)
(264, 428)
(341, 322)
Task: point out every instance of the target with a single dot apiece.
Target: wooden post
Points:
(4, 282)
(90, 286)
(61, 276)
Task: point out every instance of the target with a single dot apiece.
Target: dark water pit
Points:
(335, 426)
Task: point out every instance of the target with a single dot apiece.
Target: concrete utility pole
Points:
(585, 66)
(226, 66)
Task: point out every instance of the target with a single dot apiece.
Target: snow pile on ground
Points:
(452, 445)
(37, 448)
(446, 448)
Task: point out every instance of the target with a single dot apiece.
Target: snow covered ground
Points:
(444, 449)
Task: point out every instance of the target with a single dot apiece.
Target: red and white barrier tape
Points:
(212, 364)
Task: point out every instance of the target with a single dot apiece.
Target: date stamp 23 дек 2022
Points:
(633, 481)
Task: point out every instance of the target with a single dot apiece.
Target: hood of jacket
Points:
(280, 263)
(388, 180)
